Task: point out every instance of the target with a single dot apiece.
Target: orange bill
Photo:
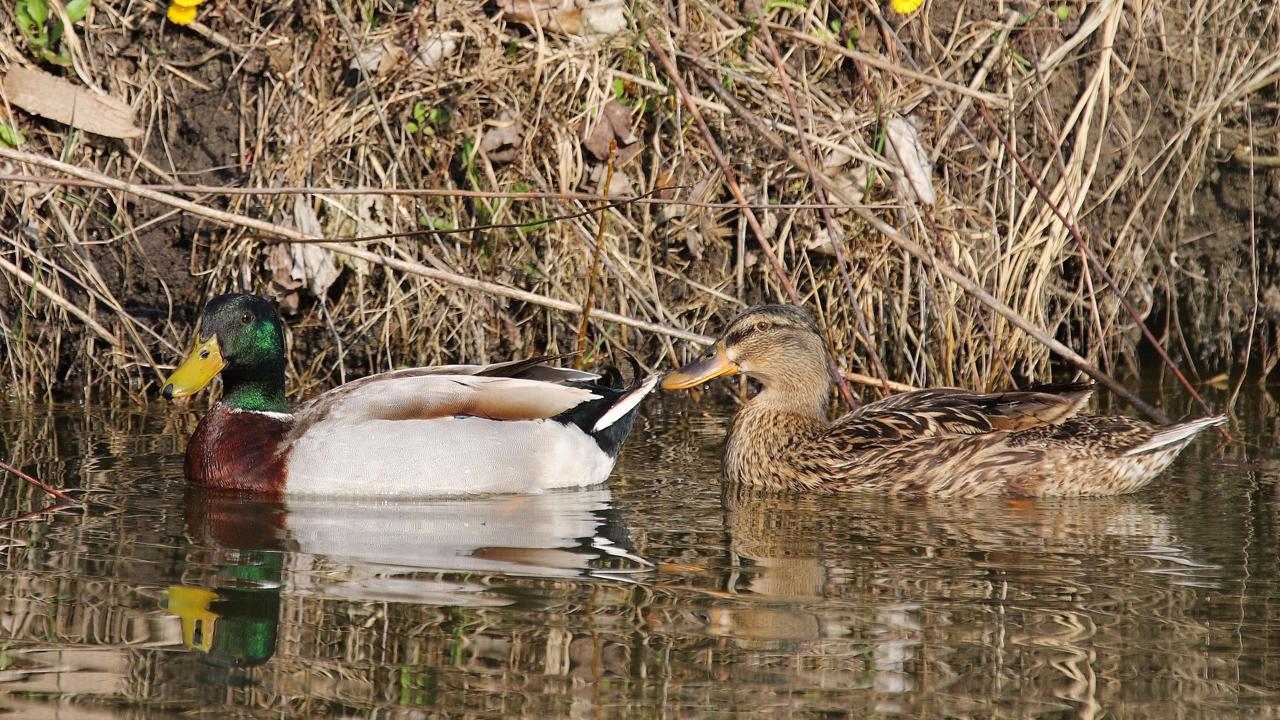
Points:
(713, 364)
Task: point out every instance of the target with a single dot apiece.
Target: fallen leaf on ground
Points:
(614, 123)
(298, 265)
(49, 96)
(905, 149)
(435, 48)
(380, 59)
(820, 242)
(283, 286)
(571, 17)
(352, 216)
(700, 192)
(311, 264)
(502, 142)
(619, 186)
(693, 241)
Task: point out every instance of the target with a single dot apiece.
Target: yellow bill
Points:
(196, 371)
(191, 604)
(712, 365)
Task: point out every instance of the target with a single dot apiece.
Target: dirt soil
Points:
(1180, 229)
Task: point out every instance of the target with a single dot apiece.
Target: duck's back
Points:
(421, 432)
(957, 443)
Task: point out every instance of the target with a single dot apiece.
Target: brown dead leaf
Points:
(311, 264)
(351, 216)
(436, 47)
(502, 142)
(49, 96)
(614, 123)
(619, 118)
(693, 241)
(298, 266)
(820, 242)
(379, 60)
(560, 16)
(699, 192)
(284, 288)
(619, 186)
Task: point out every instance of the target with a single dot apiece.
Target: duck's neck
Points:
(806, 399)
(260, 389)
(768, 425)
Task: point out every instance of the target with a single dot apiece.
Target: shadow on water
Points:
(662, 595)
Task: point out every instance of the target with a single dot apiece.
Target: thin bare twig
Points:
(1097, 264)
(615, 201)
(37, 513)
(834, 234)
(730, 180)
(968, 285)
(288, 233)
(60, 301)
(65, 498)
(595, 261)
(946, 270)
(1253, 267)
(888, 66)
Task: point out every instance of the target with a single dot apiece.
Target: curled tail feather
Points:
(1174, 434)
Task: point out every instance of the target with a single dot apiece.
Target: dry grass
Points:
(1128, 115)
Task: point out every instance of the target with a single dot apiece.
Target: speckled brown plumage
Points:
(941, 441)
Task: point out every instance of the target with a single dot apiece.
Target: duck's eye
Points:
(762, 325)
(246, 318)
(204, 354)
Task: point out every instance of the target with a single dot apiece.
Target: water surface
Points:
(656, 596)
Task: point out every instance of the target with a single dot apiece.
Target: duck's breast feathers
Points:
(239, 450)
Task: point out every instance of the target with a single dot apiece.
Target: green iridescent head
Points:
(241, 338)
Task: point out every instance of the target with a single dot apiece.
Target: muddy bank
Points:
(1141, 138)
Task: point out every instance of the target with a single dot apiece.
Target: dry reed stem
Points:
(51, 490)
(881, 64)
(339, 248)
(61, 302)
(374, 258)
(1106, 276)
(1145, 101)
(781, 273)
(833, 230)
(968, 285)
(580, 362)
(611, 200)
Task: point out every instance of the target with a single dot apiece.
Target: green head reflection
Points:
(233, 624)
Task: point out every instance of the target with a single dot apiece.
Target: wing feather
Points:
(403, 396)
(949, 411)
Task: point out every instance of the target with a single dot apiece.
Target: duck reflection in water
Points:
(380, 551)
(912, 570)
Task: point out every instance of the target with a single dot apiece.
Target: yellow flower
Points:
(906, 7)
(182, 12)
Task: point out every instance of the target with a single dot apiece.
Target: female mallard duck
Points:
(941, 441)
(518, 426)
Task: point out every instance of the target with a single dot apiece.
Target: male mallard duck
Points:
(941, 441)
(518, 426)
